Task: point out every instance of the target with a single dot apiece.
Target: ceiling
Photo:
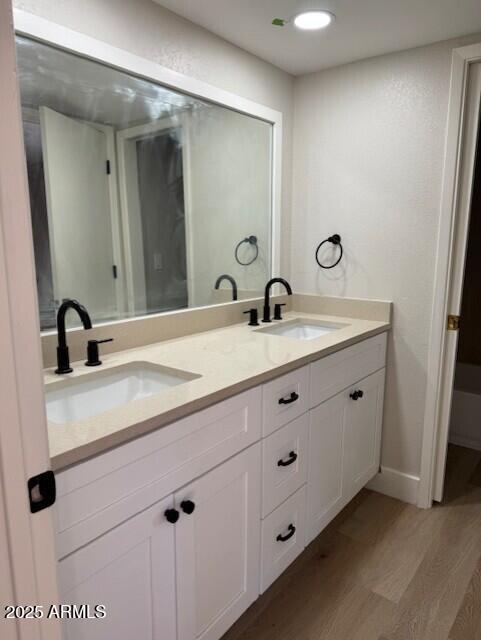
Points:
(89, 90)
(363, 28)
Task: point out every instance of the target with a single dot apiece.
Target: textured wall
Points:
(147, 29)
(368, 157)
(230, 195)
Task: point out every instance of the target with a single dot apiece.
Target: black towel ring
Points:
(252, 240)
(335, 240)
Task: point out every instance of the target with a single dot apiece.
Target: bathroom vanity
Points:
(179, 530)
(190, 472)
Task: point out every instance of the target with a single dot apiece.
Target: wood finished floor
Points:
(384, 570)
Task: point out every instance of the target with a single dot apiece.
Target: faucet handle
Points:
(278, 309)
(253, 321)
(93, 352)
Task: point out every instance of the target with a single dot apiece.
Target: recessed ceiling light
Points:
(312, 20)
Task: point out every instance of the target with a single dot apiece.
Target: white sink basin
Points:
(302, 329)
(86, 396)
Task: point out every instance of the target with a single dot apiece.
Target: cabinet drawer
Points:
(285, 399)
(283, 537)
(98, 494)
(284, 463)
(334, 373)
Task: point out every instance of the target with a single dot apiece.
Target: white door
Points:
(464, 181)
(27, 563)
(130, 570)
(79, 212)
(218, 546)
(325, 476)
(362, 439)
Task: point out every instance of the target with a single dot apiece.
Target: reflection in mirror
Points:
(141, 197)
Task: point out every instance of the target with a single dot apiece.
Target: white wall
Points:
(230, 199)
(146, 29)
(368, 156)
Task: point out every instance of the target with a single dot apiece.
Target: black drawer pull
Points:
(292, 398)
(355, 395)
(290, 460)
(291, 528)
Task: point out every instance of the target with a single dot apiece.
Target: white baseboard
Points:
(396, 484)
(462, 441)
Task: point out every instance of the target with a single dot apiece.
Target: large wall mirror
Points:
(142, 197)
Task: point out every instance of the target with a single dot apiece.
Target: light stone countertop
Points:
(228, 360)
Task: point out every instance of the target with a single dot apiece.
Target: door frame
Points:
(115, 216)
(130, 203)
(32, 564)
(460, 148)
(43, 30)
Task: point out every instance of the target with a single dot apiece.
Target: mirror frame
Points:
(50, 33)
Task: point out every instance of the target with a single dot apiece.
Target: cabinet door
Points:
(130, 570)
(362, 440)
(218, 546)
(325, 475)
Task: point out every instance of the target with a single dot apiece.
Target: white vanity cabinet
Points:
(217, 547)
(131, 571)
(161, 578)
(325, 482)
(362, 433)
(246, 484)
(344, 449)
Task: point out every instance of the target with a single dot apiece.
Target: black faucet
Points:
(267, 309)
(226, 276)
(63, 359)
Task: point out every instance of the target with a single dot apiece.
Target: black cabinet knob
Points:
(355, 395)
(187, 506)
(171, 515)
